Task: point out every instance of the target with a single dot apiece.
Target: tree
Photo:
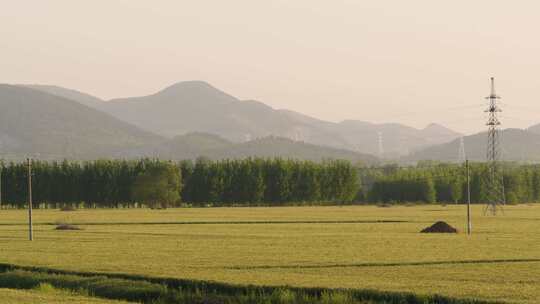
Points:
(158, 186)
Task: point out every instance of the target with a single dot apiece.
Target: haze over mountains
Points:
(196, 106)
(534, 129)
(516, 145)
(191, 119)
(38, 122)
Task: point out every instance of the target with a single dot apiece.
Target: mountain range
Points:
(45, 122)
(192, 119)
(196, 106)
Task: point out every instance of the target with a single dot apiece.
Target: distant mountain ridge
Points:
(515, 145)
(46, 126)
(395, 139)
(196, 106)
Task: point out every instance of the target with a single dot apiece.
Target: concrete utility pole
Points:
(469, 225)
(30, 230)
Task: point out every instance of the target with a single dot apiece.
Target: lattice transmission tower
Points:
(495, 191)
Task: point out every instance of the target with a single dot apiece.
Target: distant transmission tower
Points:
(495, 191)
(462, 156)
(380, 142)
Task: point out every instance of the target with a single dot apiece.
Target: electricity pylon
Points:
(495, 183)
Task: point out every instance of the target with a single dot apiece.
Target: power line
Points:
(30, 228)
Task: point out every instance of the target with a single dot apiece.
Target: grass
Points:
(100, 286)
(334, 247)
(144, 289)
(40, 296)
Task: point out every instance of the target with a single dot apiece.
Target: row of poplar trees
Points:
(446, 183)
(248, 182)
(155, 183)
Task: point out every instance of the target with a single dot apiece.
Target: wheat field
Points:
(359, 247)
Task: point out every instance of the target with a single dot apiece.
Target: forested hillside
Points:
(46, 126)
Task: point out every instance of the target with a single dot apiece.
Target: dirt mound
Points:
(67, 227)
(440, 227)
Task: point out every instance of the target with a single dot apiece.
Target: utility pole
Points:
(30, 230)
(469, 225)
(495, 177)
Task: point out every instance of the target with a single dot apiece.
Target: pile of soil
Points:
(67, 227)
(440, 227)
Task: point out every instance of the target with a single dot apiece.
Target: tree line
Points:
(156, 183)
(253, 181)
(446, 183)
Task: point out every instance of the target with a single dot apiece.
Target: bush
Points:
(45, 288)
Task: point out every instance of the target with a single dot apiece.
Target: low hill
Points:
(38, 124)
(515, 144)
(187, 146)
(286, 148)
(194, 145)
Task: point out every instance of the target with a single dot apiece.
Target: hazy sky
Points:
(411, 61)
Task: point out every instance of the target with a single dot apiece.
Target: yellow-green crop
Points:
(11, 296)
(350, 247)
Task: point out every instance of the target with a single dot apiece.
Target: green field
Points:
(349, 247)
(10, 296)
